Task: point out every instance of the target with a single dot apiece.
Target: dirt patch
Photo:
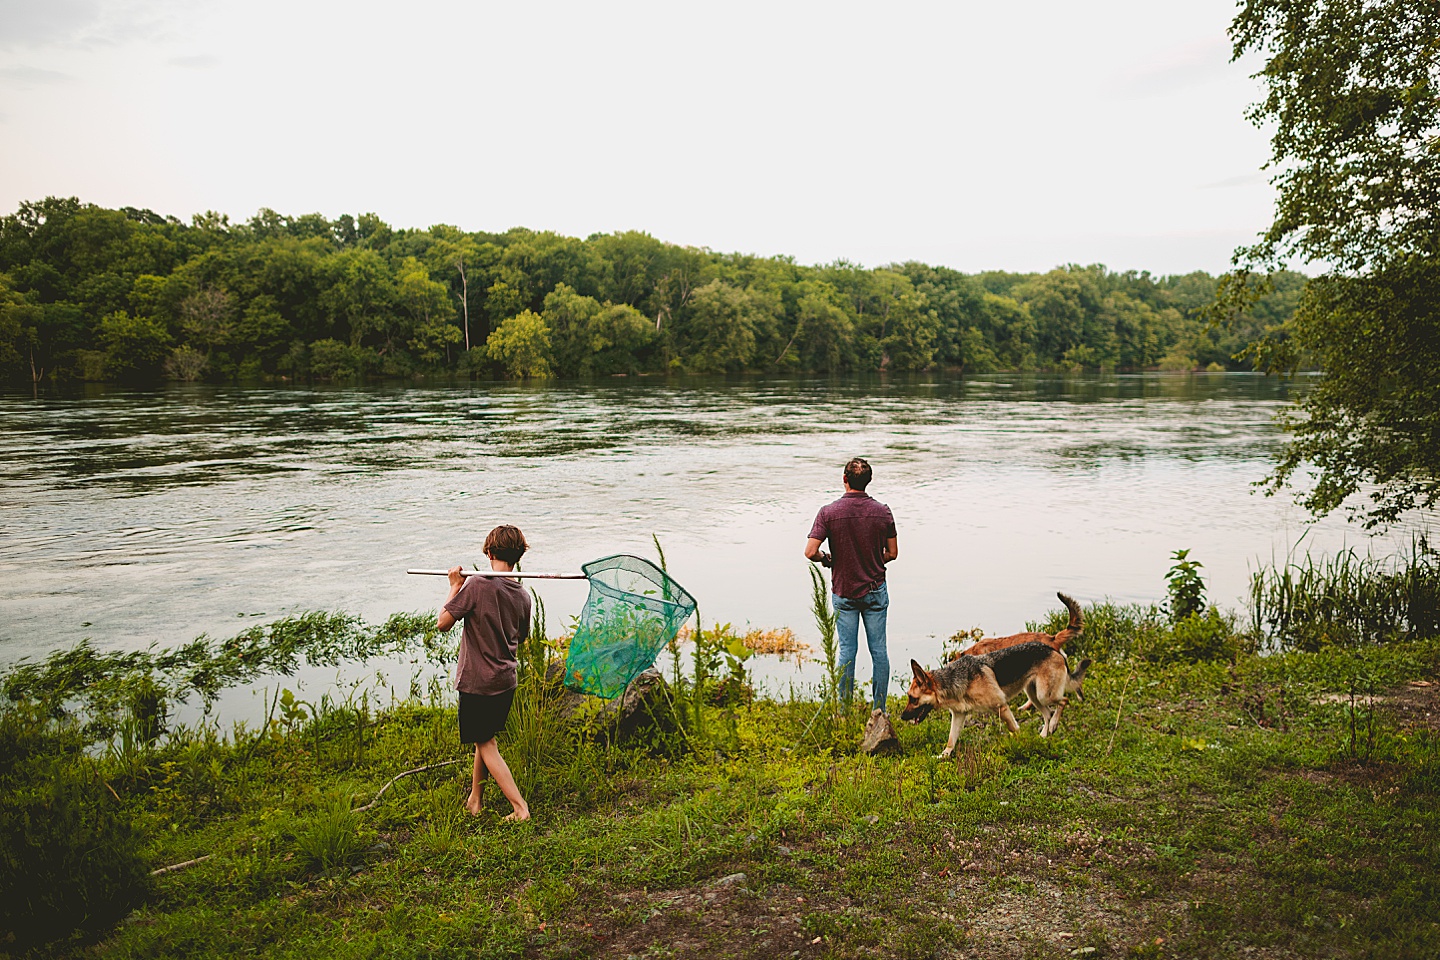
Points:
(723, 918)
(1415, 706)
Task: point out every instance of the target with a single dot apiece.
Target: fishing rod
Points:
(502, 573)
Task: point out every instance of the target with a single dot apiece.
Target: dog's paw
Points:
(944, 754)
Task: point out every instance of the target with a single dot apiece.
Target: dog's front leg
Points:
(957, 723)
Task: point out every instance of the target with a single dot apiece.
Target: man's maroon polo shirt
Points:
(857, 526)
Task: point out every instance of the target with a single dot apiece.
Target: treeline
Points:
(98, 294)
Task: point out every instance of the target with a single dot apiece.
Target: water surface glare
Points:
(151, 517)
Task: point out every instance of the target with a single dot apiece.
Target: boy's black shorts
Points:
(482, 716)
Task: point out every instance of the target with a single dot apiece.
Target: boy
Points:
(496, 611)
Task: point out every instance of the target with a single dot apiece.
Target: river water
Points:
(151, 517)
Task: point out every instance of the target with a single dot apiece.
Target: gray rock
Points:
(879, 736)
(733, 880)
(644, 707)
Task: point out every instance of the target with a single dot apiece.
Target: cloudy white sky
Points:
(1014, 135)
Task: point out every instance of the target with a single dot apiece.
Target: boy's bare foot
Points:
(518, 814)
(473, 804)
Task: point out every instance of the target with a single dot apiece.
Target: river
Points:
(151, 517)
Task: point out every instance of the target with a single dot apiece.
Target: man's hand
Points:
(457, 579)
(824, 559)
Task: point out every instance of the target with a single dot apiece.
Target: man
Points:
(861, 531)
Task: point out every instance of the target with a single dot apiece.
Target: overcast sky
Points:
(1014, 136)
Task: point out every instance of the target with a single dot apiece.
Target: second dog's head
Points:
(920, 698)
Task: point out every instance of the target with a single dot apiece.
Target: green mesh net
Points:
(633, 610)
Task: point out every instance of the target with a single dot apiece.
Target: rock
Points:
(879, 736)
(733, 880)
(644, 707)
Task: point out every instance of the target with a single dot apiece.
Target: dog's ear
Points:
(921, 677)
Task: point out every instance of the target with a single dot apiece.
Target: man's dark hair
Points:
(858, 473)
(506, 544)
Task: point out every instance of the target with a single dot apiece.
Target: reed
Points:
(1348, 599)
(535, 737)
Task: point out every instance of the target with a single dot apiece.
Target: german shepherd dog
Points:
(1055, 641)
(986, 683)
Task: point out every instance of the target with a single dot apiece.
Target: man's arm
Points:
(814, 554)
(892, 550)
(444, 622)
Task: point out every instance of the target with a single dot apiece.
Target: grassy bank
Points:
(1252, 808)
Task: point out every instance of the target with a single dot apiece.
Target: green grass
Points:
(1246, 809)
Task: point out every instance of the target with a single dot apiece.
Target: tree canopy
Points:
(99, 294)
(1353, 96)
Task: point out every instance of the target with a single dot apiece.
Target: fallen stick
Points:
(398, 776)
(181, 866)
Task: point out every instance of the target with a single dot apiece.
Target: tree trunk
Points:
(464, 300)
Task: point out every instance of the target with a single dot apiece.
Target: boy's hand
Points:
(457, 579)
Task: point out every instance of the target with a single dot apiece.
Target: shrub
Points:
(1185, 586)
(1199, 637)
(330, 839)
(70, 861)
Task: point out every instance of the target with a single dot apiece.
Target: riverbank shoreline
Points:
(1255, 808)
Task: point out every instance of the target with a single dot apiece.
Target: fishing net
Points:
(633, 610)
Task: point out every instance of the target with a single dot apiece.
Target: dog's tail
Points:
(1075, 679)
(1076, 626)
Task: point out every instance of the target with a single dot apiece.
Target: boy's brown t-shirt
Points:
(496, 611)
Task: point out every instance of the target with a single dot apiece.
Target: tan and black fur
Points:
(986, 683)
(1055, 641)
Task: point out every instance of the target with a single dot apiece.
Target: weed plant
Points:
(1347, 599)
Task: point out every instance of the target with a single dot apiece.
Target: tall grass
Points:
(535, 736)
(1347, 599)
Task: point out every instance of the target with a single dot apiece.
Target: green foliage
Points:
(824, 618)
(1185, 586)
(1346, 599)
(329, 839)
(1138, 633)
(1351, 98)
(70, 859)
(133, 346)
(105, 688)
(267, 297)
(1264, 770)
(522, 345)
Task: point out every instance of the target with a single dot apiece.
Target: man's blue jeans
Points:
(848, 613)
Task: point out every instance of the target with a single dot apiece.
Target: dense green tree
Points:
(521, 344)
(618, 339)
(306, 297)
(1352, 94)
(361, 296)
(134, 347)
(718, 333)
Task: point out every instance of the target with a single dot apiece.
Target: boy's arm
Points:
(445, 621)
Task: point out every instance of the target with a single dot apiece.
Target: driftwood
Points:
(399, 776)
